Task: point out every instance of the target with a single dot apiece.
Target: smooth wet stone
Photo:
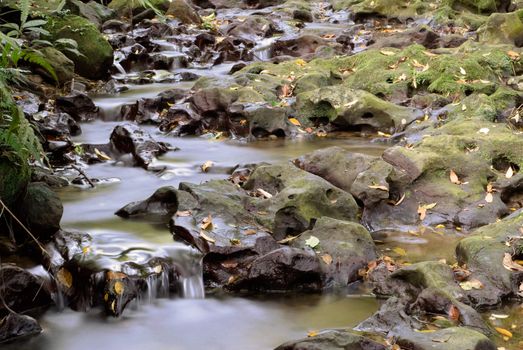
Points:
(454, 338)
(161, 205)
(79, 106)
(15, 326)
(333, 340)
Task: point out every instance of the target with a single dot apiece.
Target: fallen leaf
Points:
(312, 242)
(484, 131)
(327, 259)
(430, 206)
(429, 54)
(158, 269)
(504, 332)
(228, 264)
(454, 178)
(206, 223)
(65, 277)
(206, 166)
(513, 55)
(509, 173)
(86, 250)
(249, 232)
(422, 212)
(387, 53)
(471, 284)
(443, 339)
(400, 251)
(402, 198)
(300, 62)
(111, 275)
(453, 313)
(294, 121)
(264, 193)
(489, 198)
(118, 287)
(288, 239)
(500, 316)
(379, 187)
(311, 334)
(286, 91)
(101, 155)
(462, 71)
(509, 264)
(207, 238)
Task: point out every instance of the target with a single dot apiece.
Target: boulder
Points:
(97, 54)
(184, 12)
(62, 65)
(503, 28)
(160, 206)
(15, 326)
(79, 106)
(333, 340)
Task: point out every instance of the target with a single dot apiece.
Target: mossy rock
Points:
(97, 53)
(15, 178)
(62, 65)
(124, 7)
(503, 28)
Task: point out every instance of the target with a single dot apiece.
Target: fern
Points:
(24, 9)
(35, 57)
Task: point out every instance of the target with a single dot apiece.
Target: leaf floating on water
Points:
(65, 278)
(387, 53)
(504, 332)
(379, 187)
(400, 251)
(509, 173)
(454, 178)
(312, 242)
(118, 287)
(294, 121)
(327, 259)
(206, 166)
(471, 284)
(311, 334)
(207, 238)
(510, 264)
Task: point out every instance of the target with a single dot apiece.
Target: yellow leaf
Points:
(504, 332)
(454, 178)
(295, 121)
(400, 251)
(65, 277)
(86, 250)
(207, 238)
(471, 284)
(513, 55)
(510, 265)
(113, 306)
(430, 206)
(206, 166)
(327, 259)
(311, 334)
(101, 155)
(206, 223)
(387, 53)
(379, 187)
(300, 62)
(440, 226)
(118, 287)
(509, 173)
(400, 200)
(422, 211)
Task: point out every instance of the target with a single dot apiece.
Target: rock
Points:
(96, 13)
(42, 209)
(97, 55)
(253, 28)
(333, 340)
(347, 108)
(302, 15)
(454, 338)
(160, 206)
(503, 28)
(283, 269)
(57, 125)
(299, 198)
(184, 12)
(79, 106)
(22, 291)
(47, 177)
(15, 326)
(63, 66)
(15, 178)
(115, 26)
(305, 46)
(129, 138)
(346, 247)
(124, 7)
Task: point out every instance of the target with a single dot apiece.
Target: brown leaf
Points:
(249, 232)
(327, 259)
(509, 264)
(207, 238)
(206, 223)
(65, 277)
(453, 313)
(286, 91)
(229, 264)
(111, 275)
(183, 213)
(288, 239)
(422, 212)
(379, 187)
(513, 55)
(206, 166)
(454, 178)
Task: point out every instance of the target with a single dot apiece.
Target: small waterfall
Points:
(262, 50)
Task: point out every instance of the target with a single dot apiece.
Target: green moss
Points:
(125, 6)
(97, 52)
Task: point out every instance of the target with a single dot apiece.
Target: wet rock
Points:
(79, 106)
(218, 4)
(422, 35)
(22, 291)
(147, 111)
(123, 8)
(302, 15)
(346, 247)
(161, 205)
(306, 45)
(56, 125)
(96, 13)
(97, 54)
(52, 180)
(42, 210)
(283, 269)
(333, 340)
(184, 12)
(129, 138)
(15, 178)
(115, 26)
(502, 28)
(346, 108)
(454, 338)
(253, 28)
(15, 326)
(62, 65)
(299, 198)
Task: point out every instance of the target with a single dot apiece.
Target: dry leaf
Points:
(118, 287)
(101, 155)
(286, 91)
(295, 121)
(489, 198)
(65, 277)
(504, 332)
(183, 213)
(312, 242)
(453, 313)
(513, 55)
(206, 223)
(158, 269)
(509, 173)
(207, 238)
(422, 212)
(387, 53)
(429, 54)
(288, 239)
(264, 193)
(229, 264)
(484, 131)
(311, 334)
(111, 275)
(454, 178)
(471, 284)
(379, 187)
(206, 166)
(249, 232)
(462, 71)
(400, 251)
(430, 206)
(327, 259)
(509, 264)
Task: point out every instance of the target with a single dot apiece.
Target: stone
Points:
(333, 340)
(16, 326)
(160, 206)
(184, 12)
(79, 106)
(62, 65)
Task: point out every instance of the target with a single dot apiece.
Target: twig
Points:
(83, 174)
(25, 228)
